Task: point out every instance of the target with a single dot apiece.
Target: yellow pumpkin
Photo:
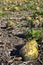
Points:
(36, 21)
(30, 51)
(28, 18)
(10, 23)
(16, 8)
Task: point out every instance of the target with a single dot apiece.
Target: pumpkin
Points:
(30, 50)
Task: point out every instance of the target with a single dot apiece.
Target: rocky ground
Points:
(26, 15)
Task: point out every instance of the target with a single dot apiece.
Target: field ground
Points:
(20, 21)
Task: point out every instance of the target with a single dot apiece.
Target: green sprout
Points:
(35, 34)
